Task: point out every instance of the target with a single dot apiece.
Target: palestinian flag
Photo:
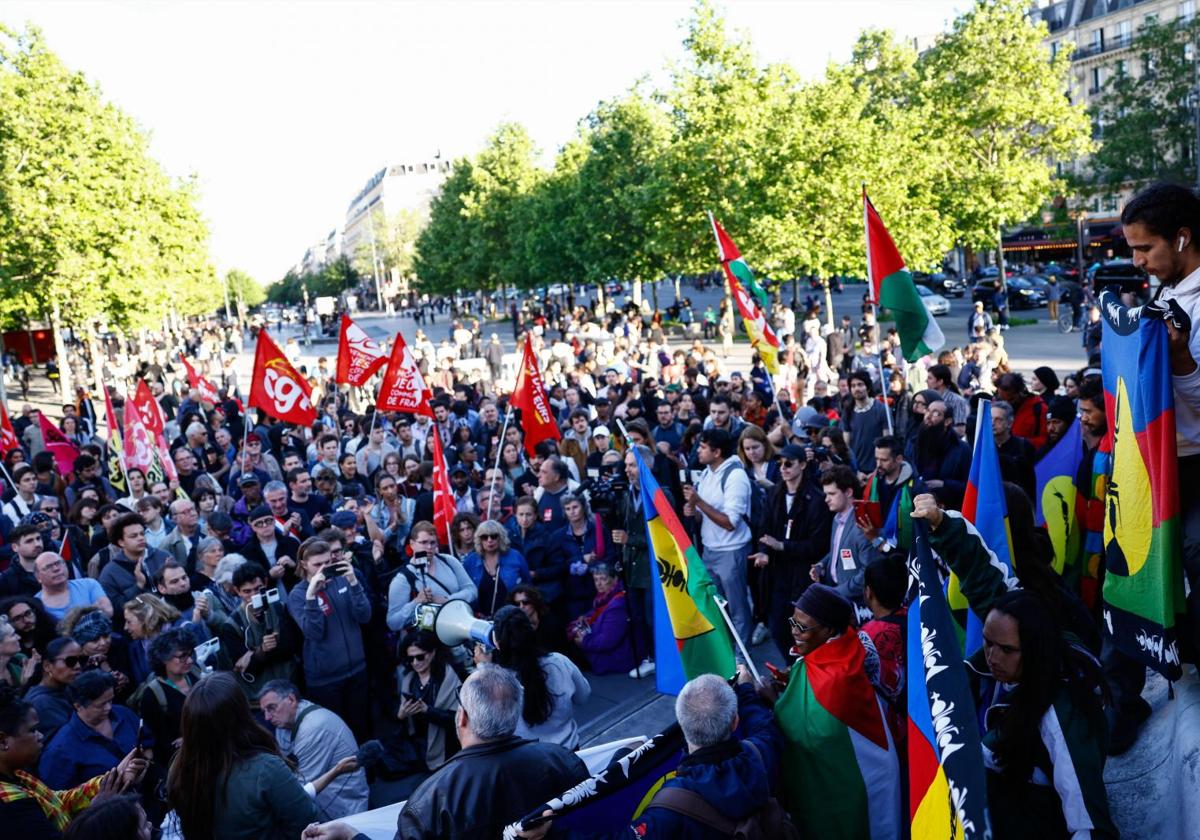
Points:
(891, 286)
(751, 300)
(690, 636)
(1143, 582)
(947, 782)
(733, 263)
(841, 775)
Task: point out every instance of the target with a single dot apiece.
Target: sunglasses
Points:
(787, 462)
(523, 603)
(489, 537)
(420, 657)
(50, 508)
(800, 628)
(72, 661)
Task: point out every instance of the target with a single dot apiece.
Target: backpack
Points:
(770, 822)
(757, 516)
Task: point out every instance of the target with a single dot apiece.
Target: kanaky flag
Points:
(277, 388)
(8, 435)
(1056, 496)
(984, 507)
(208, 391)
(529, 395)
(56, 444)
(444, 508)
(690, 636)
(359, 356)
(403, 387)
(892, 287)
(1143, 578)
(947, 781)
(148, 409)
(751, 304)
(116, 451)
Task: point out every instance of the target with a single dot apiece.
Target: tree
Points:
(1145, 119)
(244, 291)
(391, 241)
(443, 256)
(1002, 119)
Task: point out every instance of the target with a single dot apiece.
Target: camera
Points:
(605, 492)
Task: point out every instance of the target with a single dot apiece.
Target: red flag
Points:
(139, 445)
(148, 409)
(529, 395)
(403, 387)
(56, 444)
(8, 435)
(359, 356)
(277, 388)
(208, 391)
(444, 508)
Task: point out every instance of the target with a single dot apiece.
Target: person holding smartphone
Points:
(330, 607)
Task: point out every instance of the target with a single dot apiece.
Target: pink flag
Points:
(139, 446)
(56, 444)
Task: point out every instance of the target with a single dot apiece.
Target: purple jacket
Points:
(608, 646)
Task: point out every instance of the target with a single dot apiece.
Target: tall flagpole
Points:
(883, 383)
(499, 455)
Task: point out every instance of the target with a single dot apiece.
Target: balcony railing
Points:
(1119, 42)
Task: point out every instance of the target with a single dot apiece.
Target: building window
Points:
(1097, 40)
(1124, 33)
(1097, 79)
(1053, 49)
(1187, 10)
(1121, 67)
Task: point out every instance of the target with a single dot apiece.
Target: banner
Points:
(1056, 496)
(1143, 582)
(56, 444)
(529, 395)
(208, 391)
(444, 509)
(359, 356)
(149, 409)
(278, 388)
(947, 781)
(403, 388)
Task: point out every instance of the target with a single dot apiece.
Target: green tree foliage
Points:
(91, 227)
(391, 241)
(443, 250)
(1003, 117)
(330, 280)
(1147, 129)
(244, 288)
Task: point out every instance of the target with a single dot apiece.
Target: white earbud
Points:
(1179, 247)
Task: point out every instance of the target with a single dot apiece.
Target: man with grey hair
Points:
(497, 777)
(1016, 453)
(319, 739)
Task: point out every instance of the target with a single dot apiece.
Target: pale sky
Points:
(285, 109)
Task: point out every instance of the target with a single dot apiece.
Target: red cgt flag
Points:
(529, 395)
(56, 444)
(277, 388)
(208, 391)
(148, 409)
(403, 387)
(359, 356)
(8, 435)
(444, 508)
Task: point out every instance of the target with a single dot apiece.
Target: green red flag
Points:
(892, 287)
(750, 298)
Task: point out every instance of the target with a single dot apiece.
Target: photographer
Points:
(635, 560)
(428, 578)
(330, 608)
(264, 644)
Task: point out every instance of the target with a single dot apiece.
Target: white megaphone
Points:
(456, 623)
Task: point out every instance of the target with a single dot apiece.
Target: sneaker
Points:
(643, 670)
(760, 635)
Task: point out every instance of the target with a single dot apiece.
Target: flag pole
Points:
(499, 455)
(721, 604)
(883, 384)
(9, 478)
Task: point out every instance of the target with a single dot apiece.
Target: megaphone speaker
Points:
(456, 624)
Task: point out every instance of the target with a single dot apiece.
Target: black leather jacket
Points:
(485, 787)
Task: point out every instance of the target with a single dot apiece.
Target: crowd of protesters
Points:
(310, 556)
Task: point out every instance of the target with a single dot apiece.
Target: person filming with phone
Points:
(330, 606)
(427, 578)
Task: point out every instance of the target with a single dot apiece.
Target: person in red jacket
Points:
(1029, 410)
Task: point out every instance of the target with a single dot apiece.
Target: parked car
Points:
(1121, 276)
(613, 287)
(935, 304)
(1021, 294)
(948, 285)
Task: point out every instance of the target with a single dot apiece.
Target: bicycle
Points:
(1068, 321)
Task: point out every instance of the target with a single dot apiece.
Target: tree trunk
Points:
(1000, 265)
(60, 350)
(654, 294)
(828, 303)
(637, 293)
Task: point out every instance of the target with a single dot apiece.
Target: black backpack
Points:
(770, 822)
(757, 516)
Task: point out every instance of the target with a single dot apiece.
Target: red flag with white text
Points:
(403, 387)
(529, 395)
(278, 388)
(359, 356)
(140, 446)
(8, 435)
(208, 391)
(56, 444)
(444, 508)
(148, 409)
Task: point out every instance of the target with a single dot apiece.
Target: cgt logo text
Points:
(284, 391)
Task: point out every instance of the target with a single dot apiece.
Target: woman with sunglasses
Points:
(160, 699)
(105, 651)
(494, 567)
(16, 669)
(428, 703)
(63, 662)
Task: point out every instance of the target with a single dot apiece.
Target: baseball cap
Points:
(248, 479)
(601, 431)
(792, 452)
(343, 519)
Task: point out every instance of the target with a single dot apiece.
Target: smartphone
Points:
(256, 602)
(696, 476)
(272, 596)
(869, 511)
(685, 477)
(334, 570)
(140, 735)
